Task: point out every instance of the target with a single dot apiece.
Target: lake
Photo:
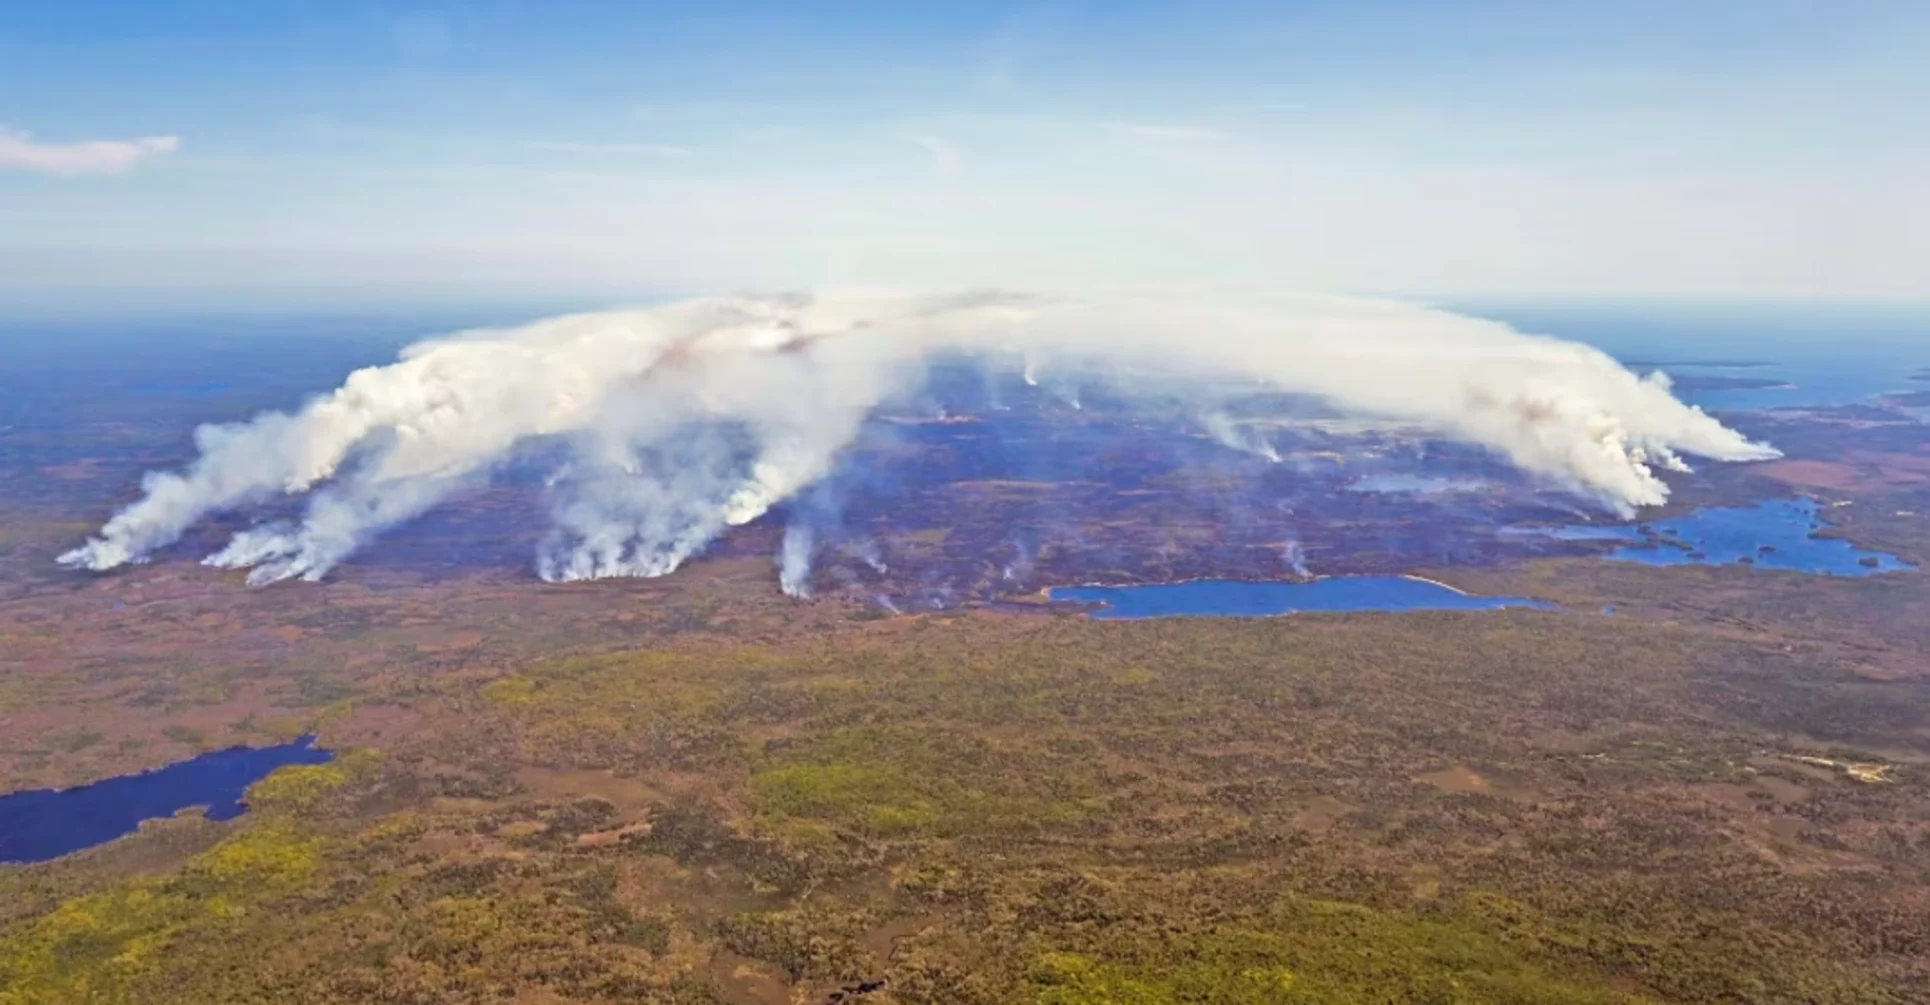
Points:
(1231, 598)
(42, 824)
(1827, 354)
(1777, 534)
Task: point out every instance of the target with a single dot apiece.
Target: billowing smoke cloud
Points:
(684, 420)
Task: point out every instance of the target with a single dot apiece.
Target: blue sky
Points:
(174, 149)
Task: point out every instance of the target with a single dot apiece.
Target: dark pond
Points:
(1230, 598)
(43, 824)
(1778, 534)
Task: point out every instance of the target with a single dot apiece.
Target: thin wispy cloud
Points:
(21, 152)
(648, 149)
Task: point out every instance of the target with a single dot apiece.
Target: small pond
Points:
(42, 824)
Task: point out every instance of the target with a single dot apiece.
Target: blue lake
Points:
(43, 824)
(1230, 598)
(1778, 534)
(1829, 354)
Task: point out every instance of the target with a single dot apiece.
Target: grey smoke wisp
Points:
(682, 421)
(794, 559)
(1234, 436)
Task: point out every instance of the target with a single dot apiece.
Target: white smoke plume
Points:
(1236, 436)
(866, 550)
(1021, 564)
(687, 419)
(794, 559)
(1294, 554)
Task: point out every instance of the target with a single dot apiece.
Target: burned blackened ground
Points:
(1000, 495)
(979, 485)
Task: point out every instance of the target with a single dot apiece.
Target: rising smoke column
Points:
(684, 420)
(1233, 436)
(794, 559)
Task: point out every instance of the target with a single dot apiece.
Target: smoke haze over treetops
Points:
(680, 421)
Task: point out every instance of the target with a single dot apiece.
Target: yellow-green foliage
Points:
(881, 799)
(259, 860)
(92, 949)
(510, 691)
(891, 781)
(287, 728)
(1315, 952)
(296, 786)
(640, 709)
(300, 786)
(101, 947)
(806, 944)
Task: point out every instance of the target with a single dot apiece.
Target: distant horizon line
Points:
(82, 304)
